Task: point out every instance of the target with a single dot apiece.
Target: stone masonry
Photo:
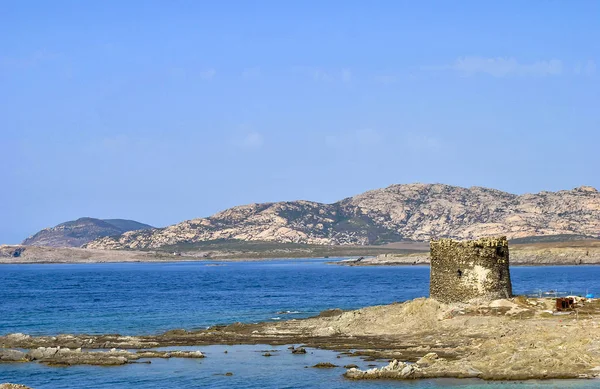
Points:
(461, 271)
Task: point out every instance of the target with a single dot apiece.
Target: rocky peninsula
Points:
(508, 339)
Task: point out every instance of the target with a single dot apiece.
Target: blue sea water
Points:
(146, 298)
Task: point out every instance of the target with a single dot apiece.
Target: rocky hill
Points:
(78, 232)
(399, 212)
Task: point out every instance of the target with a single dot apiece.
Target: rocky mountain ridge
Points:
(399, 212)
(75, 233)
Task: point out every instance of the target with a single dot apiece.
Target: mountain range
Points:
(78, 232)
(403, 212)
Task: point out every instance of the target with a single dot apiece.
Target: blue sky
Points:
(162, 111)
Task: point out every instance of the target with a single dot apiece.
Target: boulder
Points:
(394, 370)
(13, 356)
(187, 354)
(427, 360)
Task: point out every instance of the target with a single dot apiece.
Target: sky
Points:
(163, 111)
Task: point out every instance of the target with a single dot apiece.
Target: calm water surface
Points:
(141, 298)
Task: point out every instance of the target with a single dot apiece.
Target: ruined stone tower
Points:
(461, 271)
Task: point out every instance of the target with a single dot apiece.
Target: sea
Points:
(150, 298)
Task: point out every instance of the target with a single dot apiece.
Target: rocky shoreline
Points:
(515, 339)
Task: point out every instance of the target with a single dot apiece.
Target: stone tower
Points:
(461, 271)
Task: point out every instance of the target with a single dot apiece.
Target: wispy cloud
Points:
(587, 69)
(362, 137)
(251, 73)
(321, 75)
(346, 75)
(115, 143)
(325, 75)
(504, 67)
(386, 79)
(252, 140)
(420, 142)
(29, 61)
(208, 74)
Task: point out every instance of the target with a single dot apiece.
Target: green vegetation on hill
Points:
(258, 249)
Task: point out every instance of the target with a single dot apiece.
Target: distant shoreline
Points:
(542, 254)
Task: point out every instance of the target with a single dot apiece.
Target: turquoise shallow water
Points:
(149, 298)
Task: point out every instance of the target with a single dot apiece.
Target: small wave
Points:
(288, 312)
(275, 318)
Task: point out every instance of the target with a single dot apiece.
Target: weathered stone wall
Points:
(461, 271)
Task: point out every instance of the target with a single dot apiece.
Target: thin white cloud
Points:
(251, 73)
(325, 75)
(368, 136)
(386, 79)
(588, 68)
(362, 137)
(321, 75)
(252, 140)
(115, 143)
(421, 142)
(506, 66)
(208, 74)
(29, 61)
(346, 75)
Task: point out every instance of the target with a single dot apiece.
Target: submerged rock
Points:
(325, 365)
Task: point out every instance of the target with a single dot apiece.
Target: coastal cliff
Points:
(412, 212)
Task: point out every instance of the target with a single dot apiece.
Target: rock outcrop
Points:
(65, 356)
(400, 212)
(509, 339)
(78, 232)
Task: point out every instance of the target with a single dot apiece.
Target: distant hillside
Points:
(127, 225)
(414, 212)
(78, 232)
